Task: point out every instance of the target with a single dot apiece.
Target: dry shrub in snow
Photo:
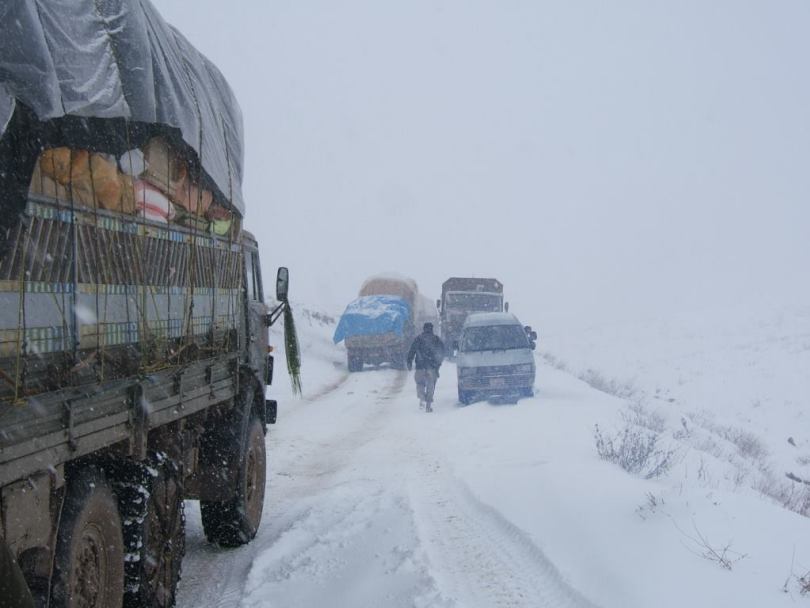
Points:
(804, 583)
(791, 495)
(635, 450)
(623, 390)
(591, 377)
(650, 506)
(554, 362)
(747, 443)
(638, 415)
(321, 318)
(723, 556)
(802, 580)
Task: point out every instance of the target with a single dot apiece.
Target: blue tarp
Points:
(373, 315)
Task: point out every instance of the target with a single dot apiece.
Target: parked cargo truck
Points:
(133, 321)
(462, 296)
(379, 326)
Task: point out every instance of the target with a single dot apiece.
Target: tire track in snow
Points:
(326, 456)
(356, 549)
(477, 556)
(214, 577)
(330, 388)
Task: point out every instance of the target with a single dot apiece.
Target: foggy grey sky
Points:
(601, 159)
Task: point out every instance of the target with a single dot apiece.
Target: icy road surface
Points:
(364, 509)
(373, 503)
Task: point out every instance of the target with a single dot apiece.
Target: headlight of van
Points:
(526, 368)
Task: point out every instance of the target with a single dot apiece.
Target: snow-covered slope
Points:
(372, 502)
(731, 387)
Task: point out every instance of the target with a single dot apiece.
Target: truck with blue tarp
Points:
(380, 324)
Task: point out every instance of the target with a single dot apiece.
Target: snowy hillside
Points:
(374, 503)
(731, 388)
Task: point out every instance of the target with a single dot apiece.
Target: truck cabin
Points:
(463, 295)
(473, 301)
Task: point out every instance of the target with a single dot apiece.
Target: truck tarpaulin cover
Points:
(119, 59)
(373, 315)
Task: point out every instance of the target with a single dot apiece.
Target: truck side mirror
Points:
(533, 336)
(506, 307)
(455, 345)
(282, 284)
(533, 345)
(438, 304)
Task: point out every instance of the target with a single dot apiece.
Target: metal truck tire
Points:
(89, 560)
(154, 533)
(235, 522)
(465, 397)
(14, 591)
(354, 361)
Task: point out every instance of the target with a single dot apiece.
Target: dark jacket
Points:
(428, 350)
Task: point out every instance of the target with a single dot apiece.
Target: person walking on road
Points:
(428, 350)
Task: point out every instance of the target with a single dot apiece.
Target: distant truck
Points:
(133, 321)
(379, 326)
(462, 296)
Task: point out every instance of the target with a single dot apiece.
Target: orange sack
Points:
(194, 199)
(168, 172)
(44, 185)
(56, 164)
(163, 169)
(95, 175)
(93, 179)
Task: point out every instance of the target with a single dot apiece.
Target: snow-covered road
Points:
(371, 502)
(364, 509)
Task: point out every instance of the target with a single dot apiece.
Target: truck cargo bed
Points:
(53, 428)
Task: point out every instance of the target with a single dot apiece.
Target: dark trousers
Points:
(426, 383)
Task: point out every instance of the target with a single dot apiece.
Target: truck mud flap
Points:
(271, 410)
(268, 380)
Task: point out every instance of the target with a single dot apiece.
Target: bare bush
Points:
(321, 318)
(739, 477)
(724, 555)
(623, 390)
(650, 506)
(636, 451)
(638, 415)
(791, 495)
(554, 362)
(747, 443)
(804, 583)
(800, 502)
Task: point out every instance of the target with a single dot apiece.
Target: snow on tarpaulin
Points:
(373, 315)
(120, 60)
